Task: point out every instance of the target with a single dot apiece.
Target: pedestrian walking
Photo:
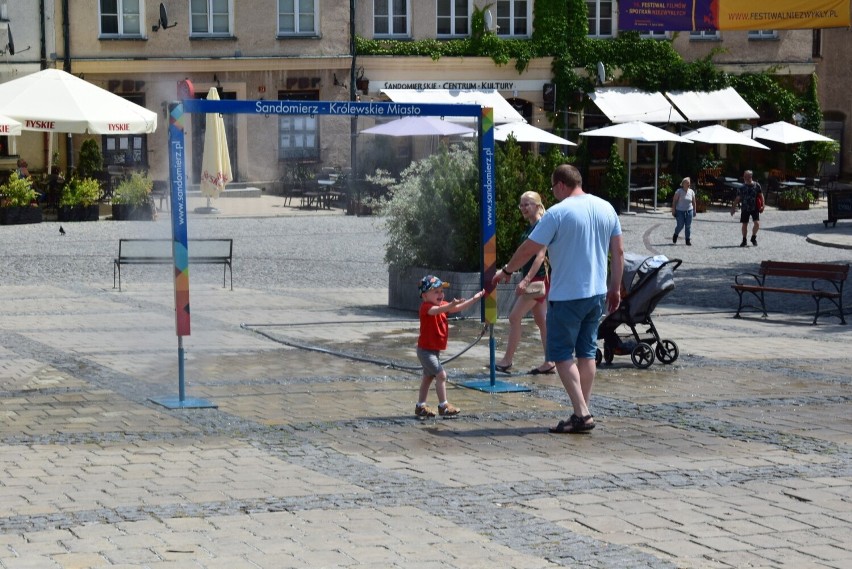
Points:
(683, 210)
(579, 233)
(750, 198)
(534, 271)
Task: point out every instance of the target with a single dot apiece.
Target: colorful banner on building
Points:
(696, 15)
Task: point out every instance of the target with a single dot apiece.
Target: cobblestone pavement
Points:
(737, 455)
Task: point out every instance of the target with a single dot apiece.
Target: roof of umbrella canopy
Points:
(55, 101)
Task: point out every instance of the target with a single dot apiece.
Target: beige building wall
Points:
(834, 70)
(24, 19)
(252, 63)
(790, 53)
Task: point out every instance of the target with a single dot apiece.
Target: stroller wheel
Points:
(667, 351)
(608, 354)
(642, 355)
(598, 356)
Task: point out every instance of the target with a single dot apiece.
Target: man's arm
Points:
(616, 271)
(525, 250)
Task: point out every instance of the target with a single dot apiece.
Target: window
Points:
(601, 18)
(453, 17)
(127, 150)
(390, 18)
(121, 17)
(704, 35)
(655, 35)
(297, 17)
(210, 17)
(513, 17)
(763, 35)
(298, 135)
(816, 48)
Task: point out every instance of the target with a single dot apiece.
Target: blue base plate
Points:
(495, 387)
(187, 403)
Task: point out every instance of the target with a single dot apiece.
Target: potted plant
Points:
(91, 161)
(19, 202)
(702, 200)
(132, 200)
(664, 188)
(615, 180)
(794, 198)
(79, 200)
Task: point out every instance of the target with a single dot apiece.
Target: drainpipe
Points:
(66, 66)
(43, 65)
(43, 30)
(353, 121)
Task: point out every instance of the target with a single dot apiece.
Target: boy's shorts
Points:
(572, 327)
(430, 361)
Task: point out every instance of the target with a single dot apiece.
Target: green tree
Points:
(615, 175)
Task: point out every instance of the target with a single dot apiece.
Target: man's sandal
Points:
(575, 425)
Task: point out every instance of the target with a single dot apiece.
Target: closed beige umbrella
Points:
(216, 162)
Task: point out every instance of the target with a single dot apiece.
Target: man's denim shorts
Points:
(572, 327)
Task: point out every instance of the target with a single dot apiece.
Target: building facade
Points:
(302, 49)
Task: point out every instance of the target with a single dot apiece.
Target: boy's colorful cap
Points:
(429, 282)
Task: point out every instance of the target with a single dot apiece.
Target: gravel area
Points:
(273, 252)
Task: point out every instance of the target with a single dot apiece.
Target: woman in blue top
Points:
(535, 269)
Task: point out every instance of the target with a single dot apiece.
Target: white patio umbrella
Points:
(718, 134)
(644, 132)
(216, 161)
(418, 126)
(9, 126)
(525, 132)
(782, 132)
(55, 101)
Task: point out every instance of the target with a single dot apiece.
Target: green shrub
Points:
(135, 190)
(432, 214)
(91, 160)
(18, 192)
(615, 176)
(80, 191)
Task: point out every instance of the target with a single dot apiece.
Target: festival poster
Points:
(696, 15)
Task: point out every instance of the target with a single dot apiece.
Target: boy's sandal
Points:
(574, 425)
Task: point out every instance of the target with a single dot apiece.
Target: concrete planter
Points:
(403, 293)
(78, 212)
(122, 212)
(16, 215)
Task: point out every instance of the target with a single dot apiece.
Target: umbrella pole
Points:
(181, 382)
(656, 172)
(629, 171)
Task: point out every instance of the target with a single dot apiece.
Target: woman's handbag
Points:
(535, 289)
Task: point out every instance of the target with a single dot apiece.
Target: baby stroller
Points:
(645, 282)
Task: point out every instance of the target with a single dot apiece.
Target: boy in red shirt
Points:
(434, 331)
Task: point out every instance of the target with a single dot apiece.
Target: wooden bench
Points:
(829, 277)
(159, 252)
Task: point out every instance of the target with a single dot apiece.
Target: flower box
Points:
(78, 212)
(17, 215)
(127, 212)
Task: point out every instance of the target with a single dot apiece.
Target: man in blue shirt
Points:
(579, 232)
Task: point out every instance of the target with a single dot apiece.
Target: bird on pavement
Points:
(61, 231)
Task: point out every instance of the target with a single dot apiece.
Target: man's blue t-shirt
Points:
(577, 232)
